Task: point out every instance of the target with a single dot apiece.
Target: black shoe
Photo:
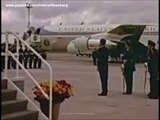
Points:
(126, 93)
(150, 96)
(153, 97)
(102, 94)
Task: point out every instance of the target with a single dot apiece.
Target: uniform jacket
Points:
(129, 64)
(152, 59)
(102, 57)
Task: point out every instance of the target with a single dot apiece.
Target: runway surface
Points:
(85, 104)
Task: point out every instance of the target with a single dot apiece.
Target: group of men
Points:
(128, 68)
(11, 62)
(26, 57)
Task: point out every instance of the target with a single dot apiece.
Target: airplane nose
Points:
(71, 48)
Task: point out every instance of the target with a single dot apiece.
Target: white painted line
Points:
(77, 113)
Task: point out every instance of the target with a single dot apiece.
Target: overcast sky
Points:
(76, 11)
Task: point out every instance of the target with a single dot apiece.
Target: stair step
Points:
(8, 95)
(3, 84)
(13, 106)
(13, 109)
(24, 115)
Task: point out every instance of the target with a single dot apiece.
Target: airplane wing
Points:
(127, 29)
(121, 33)
(118, 38)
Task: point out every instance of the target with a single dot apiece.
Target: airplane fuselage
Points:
(60, 36)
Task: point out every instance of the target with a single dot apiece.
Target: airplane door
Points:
(46, 44)
(35, 39)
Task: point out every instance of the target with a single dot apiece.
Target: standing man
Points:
(31, 58)
(13, 50)
(39, 60)
(128, 68)
(9, 62)
(26, 54)
(152, 63)
(2, 57)
(94, 56)
(20, 55)
(102, 64)
(35, 57)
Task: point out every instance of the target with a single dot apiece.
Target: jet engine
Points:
(85, 43)
(71, 48)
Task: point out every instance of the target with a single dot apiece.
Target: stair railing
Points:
(7, 52)
(43, 117)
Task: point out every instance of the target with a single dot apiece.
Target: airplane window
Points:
(153, 28)
(146, 29)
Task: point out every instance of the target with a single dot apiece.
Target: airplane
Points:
(138, 34)
(57, 37)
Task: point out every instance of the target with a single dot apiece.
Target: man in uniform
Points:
(2, 57)
(94, 56)
(35, 58)
(128, 68)
(152, 63)
(13, 50)
(21, 55)
(39, 60)
(31, 58)
(9, 57)
(26, 54)
(102, 64)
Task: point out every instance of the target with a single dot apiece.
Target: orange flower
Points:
(61, 90)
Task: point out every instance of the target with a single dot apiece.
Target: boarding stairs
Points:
(13, 108)
(16, 105)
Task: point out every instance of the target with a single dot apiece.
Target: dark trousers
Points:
(153, 83)
(35, 62)
(2, 62)
(30, 62)
(39, 63)
(94, 61)
(20, 60)
(13, 63)
(103, 72)
(129, 81)
(44, 56)
(26, 63)
(9, 62)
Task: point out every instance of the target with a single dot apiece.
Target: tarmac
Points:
(85, 104)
